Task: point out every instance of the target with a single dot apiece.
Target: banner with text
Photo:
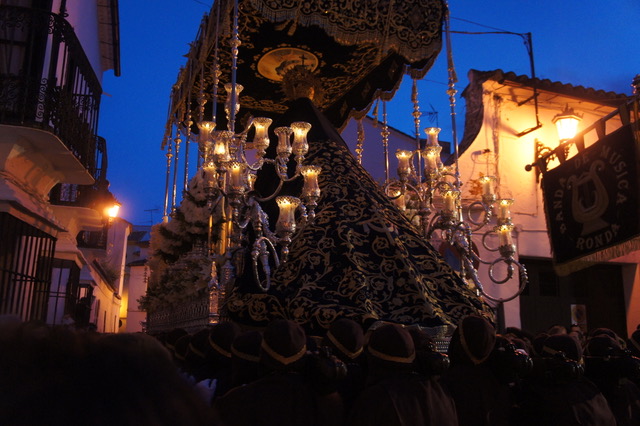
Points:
(591, 203)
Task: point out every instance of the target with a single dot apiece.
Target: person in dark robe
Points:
(221, 338)
(283, 396)
(608, 366)
(481, 399)
(57, 376)
(557, 393)
(345, 338)
(245, 358)
(395, 394)
(633, 343)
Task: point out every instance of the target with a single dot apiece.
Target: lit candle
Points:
(284, 141)
(236, 172)
(449, 199)
(404, 167)
(221, 140)
(311, 187)
(261, 138)
(504, 235)
(300, 144)
(431, 155)
(251, 180)
(210, 176)
(504, 209)
(400, 201)
(487, 185)
(432, 135)
(205, 128)
(287, 219)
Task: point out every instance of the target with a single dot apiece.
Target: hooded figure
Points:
(557, 393)
(481, 399)
(395, 394)
(284, 396)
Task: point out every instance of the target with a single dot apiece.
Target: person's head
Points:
(53, 366)
(346, 339)
(576, 332)
(197, 355)
(283, 346)
(634, 343)
(472, 341)
(390, 347)
(557, 329)
(561, 359)
(221, 338)
(429, 362)
(562, 343)
(245, 357)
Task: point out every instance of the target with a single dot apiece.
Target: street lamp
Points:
(567, 123)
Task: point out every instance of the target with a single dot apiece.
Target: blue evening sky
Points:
(585, 43)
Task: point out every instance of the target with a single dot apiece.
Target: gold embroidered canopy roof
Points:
(358, 49)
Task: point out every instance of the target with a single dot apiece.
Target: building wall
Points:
(136, 288)
(498, 150)
(83, 17)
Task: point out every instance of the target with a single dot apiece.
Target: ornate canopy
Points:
(358, 49)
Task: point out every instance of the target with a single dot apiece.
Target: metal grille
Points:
(64, 292)
(26, 255)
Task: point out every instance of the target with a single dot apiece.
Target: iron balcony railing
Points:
(47, 81)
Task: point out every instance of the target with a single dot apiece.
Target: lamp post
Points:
(567, 126)
(566, 123)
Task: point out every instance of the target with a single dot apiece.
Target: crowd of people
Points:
(386, 374)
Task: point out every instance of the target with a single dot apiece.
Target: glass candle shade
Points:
(229, 89)
(251, 180)
(432, 135)
(300, 144)
(284, 141)
(400, 201)
(311, 187)
(404, 165)
(287, 217)
(504, 235)
(205, 128)
(210, 176)
(261, 138)
(431, 155)
(221, 140)
(449, 199)
(235, 170)
(504, 209)
(487, 183)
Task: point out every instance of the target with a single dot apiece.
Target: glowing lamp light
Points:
(221, 140)
(432, 135)
(112, 211)
(431, 155)
(504, 235)
(567, 123)
(449, 198)
(300, 144)
(205, 127)
(504, 209)
(488, 183)
(287, 219)
(261, 138)
(400, 200)
(311, 187)
(236, 175)
(404, 167)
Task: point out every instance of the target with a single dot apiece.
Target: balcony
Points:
(47, 82)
